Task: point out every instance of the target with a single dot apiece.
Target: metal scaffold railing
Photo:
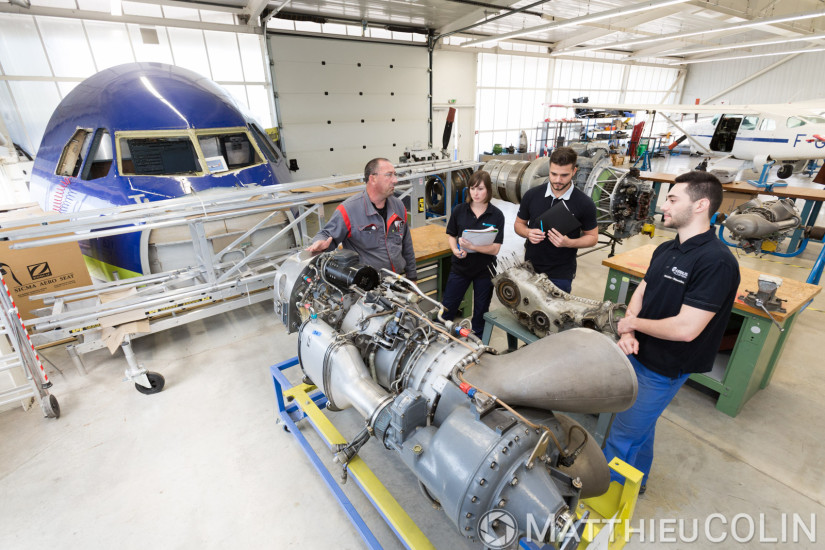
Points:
(235, 240)
(20, 361)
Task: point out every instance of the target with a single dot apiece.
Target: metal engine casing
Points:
(754, 222)
(622, 198)
(544, 308)
(373, 349)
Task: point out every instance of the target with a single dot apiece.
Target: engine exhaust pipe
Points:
(578, 370)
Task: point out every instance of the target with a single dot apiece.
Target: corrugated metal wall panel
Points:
(799, 79)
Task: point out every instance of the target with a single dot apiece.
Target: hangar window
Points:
(234, 149)
(768, 125)
(100, 156)
(265, 144)
(73, 152)
(162, 156)
(749, 123)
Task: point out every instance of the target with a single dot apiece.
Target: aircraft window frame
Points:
(795, 119)
(97, 166)
(124, 147)
(265, 142)
(749, 122)
(767, 125)
(715, 119)
(221, 163)
(74, 155)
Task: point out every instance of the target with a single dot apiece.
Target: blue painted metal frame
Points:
(780, 254)
(289, 416)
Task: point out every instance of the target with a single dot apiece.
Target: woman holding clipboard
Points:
(473, 261)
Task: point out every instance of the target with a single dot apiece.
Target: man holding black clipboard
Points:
(556, 219)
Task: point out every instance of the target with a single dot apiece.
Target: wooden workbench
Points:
(759, 342)
(429, 241)
(433, 258)
(812, 198)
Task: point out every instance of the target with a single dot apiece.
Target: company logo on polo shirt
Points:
(678, 275)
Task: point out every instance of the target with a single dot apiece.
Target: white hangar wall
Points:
(801, 78)
(343, 102)
(43, 58)
(454, 78)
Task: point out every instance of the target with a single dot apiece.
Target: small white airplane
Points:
(789, 133)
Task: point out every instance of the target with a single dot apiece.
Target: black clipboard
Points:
(558, 217)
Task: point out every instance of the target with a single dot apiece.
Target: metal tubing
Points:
(76, 359)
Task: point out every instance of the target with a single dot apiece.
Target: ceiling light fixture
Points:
(583, 20)
(721, 47)
(678, 35)
(750, 56)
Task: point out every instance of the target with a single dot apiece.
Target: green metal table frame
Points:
(504, 320)
(752, 362)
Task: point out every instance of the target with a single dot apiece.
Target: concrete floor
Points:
(204, 464)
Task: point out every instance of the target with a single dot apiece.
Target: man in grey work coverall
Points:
(373, 224)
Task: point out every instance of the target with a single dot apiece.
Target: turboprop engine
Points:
(761, 225)
(476, 428)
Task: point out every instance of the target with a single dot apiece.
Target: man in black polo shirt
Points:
(549, 251)
(677, 316)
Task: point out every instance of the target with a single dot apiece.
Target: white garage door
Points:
(343, 102)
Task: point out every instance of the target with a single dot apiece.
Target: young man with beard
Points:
(676, 317)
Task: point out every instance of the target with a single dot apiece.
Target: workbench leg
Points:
(603, 424)
(748, 364)
(777, 351)
(512, 342)
(488, 332)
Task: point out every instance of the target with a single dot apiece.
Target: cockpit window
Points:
(100, 156)
(73, 153)
(159, 156)
(265, 144)
(749, 122)
(813, 119)
(795, 122)
(229, 151)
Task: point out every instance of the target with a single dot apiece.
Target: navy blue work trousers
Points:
(457, 286)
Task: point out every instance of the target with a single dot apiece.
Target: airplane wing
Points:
(673, 108)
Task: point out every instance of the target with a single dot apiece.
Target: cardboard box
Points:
(39, 270)
(616, 159)
(732, 199)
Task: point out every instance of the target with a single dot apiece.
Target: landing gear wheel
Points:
(51, 408)
(155, 380)
(785, 171)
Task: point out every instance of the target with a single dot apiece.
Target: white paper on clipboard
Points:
(480, 237)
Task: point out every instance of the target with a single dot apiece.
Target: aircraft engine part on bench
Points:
(544, 308)
(622, 199)
(435, 189)
(754, 222)
(432, 393)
